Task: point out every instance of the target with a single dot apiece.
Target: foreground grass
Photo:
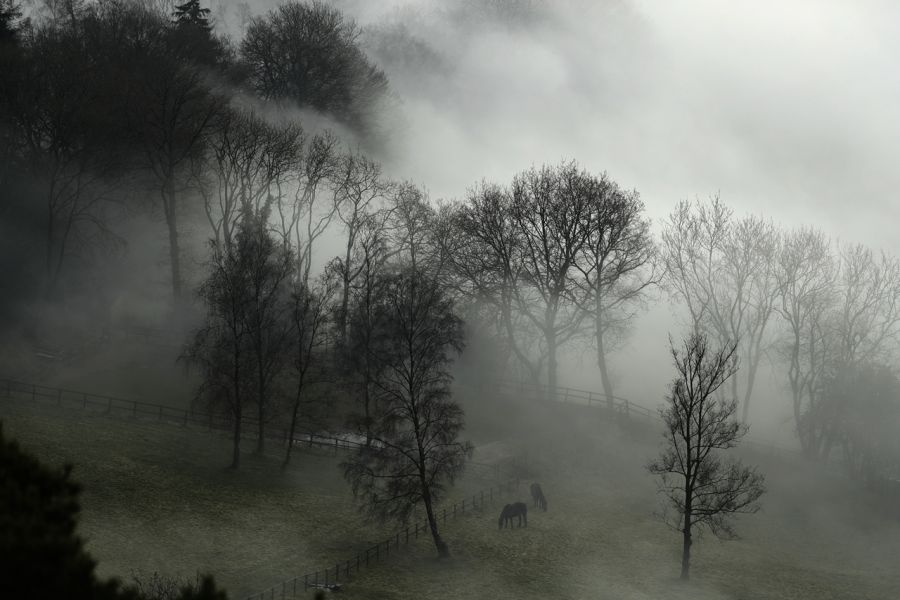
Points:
(158, 498)
(600, 540)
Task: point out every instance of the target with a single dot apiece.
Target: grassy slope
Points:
(157, 497)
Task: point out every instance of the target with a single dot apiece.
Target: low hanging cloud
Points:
(786, 110)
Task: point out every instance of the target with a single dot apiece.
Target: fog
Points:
(787, 111)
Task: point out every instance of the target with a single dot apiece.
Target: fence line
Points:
(621, 406)
(161, 413)
(114, 405)
(329, 578)
(567, 395)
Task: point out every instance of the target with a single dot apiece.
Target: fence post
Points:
(445, 515)
(416, 530)
(590, 397)
(627, 409)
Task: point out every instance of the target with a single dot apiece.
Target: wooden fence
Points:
(567, 395)
(125, 407)
(343, 570)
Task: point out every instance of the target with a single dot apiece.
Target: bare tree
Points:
(617, 268)
(66, 143)
(241, 347)
(361, 186)
(304, 218)
(252, 163)
(690, 243)
(309, 316)
(360, 367)
(308, 52)
(411, 217)
(550, 210)
(805, 270)
(268, 266)
(863, 402)
(416, 451)
(867, 322)
(724, 271)
(171, 111)
(702, 489)
(484, 261)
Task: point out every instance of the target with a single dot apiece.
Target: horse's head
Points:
(503, 515)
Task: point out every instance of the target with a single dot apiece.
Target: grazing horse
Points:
(518, 509)
(537, 494)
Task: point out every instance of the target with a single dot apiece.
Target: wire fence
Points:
(124, 407)
(332, 576)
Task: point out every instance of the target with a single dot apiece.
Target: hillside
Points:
(158, 498)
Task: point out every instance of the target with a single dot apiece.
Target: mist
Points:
(228, 347)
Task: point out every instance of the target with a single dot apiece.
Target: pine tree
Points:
(191, 14)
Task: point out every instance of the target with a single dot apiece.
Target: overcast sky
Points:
(788, 108)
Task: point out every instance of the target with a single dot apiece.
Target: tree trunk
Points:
(443, 551)
(734, 387)
(604, 374)
(236, 450)
(174, 246)
(552, 375)
(686, 548)
(291, 431)
(345, 295)
(751, 379)
(368, 417)
(261, 431)
(686, 529)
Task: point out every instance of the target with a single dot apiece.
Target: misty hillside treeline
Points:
(120, 113)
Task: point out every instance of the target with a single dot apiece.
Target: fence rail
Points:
(330, 577)
(567, 395)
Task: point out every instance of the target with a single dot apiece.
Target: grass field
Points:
(158, 498)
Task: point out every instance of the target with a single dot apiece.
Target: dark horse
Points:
(537, 494)
(518, 509)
